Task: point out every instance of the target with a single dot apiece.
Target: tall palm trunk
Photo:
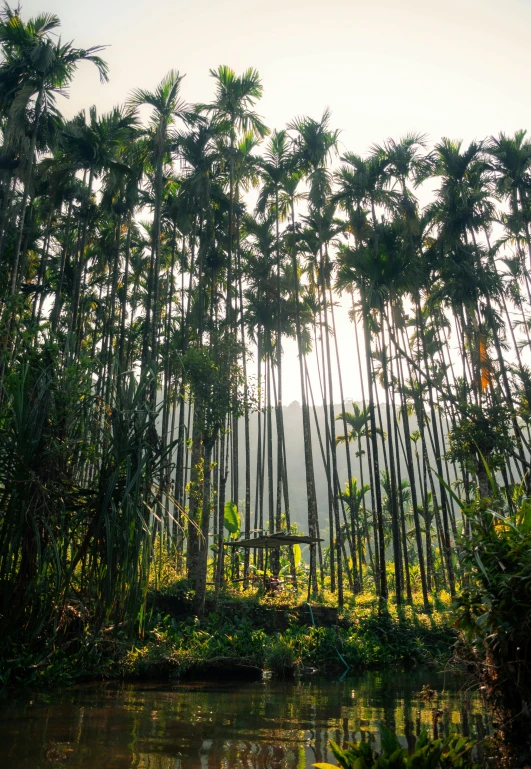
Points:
(374, 441)
(223, 452)
(80, 258)
(372, 561)
(26, 191)
(206, 511)
(307, 436)
(333, 445)
(275, 563)
(412, 485)
(326, 454)
(354, 523)
(392, 468)
(246, 416)
(196, 493)
(123, 317)
(447, 547)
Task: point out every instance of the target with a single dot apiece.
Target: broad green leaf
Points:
(341, 755)
(231, 519)
(389, 741)
(297, 555)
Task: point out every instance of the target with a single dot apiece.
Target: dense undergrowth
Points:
(240, 636)
(493, 616)
(371, 642)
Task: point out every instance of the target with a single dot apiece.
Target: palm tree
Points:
(167, 107)
(95, 148)
(356, 426)
(511, 161)
(354, 498)
(36, 68)
(233, 112)
(275, 167)
(314, 143)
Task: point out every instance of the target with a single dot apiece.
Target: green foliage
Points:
(73, 555)
(281, 656)
(494, 610)
(208, 375)
(40, 424)
(243, 629)
(231, 519)
(216, 382)
(260, 632)
(453, 751)
(496, 605)
(481, 433)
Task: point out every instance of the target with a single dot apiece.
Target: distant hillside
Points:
(295, 461)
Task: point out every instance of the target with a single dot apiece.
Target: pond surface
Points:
(267, 725)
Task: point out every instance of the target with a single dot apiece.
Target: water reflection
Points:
(270, 725)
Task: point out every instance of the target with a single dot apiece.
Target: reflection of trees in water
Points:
(264, 726)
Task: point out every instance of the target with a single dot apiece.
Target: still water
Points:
(268, 725)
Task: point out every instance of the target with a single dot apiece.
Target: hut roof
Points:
(274, 540)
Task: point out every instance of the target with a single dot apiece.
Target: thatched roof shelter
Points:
(274, 540)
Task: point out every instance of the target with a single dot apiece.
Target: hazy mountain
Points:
(295, 462)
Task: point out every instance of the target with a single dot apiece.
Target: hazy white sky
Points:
(440, 66)
(443, 67)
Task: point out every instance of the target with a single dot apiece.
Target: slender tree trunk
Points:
(374, 441)
(307, 437)
(26, 193)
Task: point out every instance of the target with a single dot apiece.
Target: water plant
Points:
(454, 751)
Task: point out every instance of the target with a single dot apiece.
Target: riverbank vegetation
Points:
(494, 615)
(155, 264)
(242, 637)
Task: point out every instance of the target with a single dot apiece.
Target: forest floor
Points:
(245, 633)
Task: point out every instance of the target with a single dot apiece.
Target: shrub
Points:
(281, 657)
(494, 611)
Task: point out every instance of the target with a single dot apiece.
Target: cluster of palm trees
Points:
(139, 289)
